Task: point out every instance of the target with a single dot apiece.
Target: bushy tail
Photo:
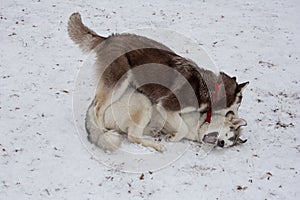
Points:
(106, 140)
(82, 35)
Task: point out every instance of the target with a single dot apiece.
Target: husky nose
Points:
(221, 143)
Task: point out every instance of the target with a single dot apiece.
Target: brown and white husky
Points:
(173, 83)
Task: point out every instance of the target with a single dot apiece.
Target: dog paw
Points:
(169, 137)
(160, 148)
(157, 134)
(173, 138)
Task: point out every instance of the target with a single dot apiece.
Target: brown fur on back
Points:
(202, 82)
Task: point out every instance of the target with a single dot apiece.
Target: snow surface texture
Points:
(42, 156)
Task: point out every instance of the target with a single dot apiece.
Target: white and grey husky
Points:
(134, 114)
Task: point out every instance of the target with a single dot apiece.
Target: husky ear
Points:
(242, 86)
(241, 141)
(238, 122)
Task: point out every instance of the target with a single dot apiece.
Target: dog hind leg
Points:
(105, 97)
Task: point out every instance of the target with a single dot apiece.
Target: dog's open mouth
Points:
(210, 138)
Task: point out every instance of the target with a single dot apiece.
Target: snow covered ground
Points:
(41, 155)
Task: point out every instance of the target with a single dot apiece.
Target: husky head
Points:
(229, 96)
(224, 131)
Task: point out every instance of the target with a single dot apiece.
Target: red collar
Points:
(208, 114)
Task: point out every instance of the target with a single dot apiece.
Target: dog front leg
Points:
(147, 143)
(175, 122)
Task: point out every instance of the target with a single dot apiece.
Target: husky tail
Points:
(86, 38)
(106, 140)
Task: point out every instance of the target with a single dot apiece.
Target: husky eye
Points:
(229, 113)
(232, 128)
